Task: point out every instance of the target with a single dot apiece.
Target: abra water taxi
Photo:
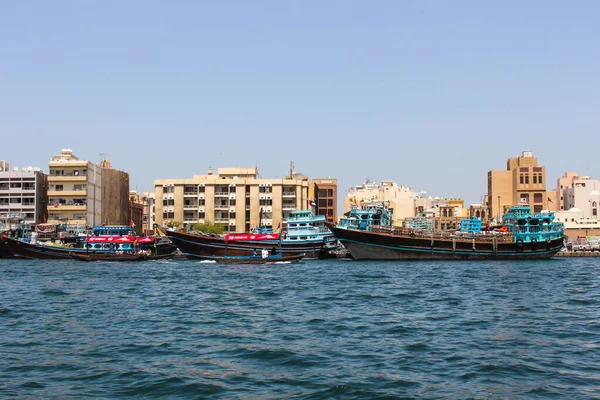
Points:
(102, 240)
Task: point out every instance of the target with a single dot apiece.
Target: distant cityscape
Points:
(80, 192)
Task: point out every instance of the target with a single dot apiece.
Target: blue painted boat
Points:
(368, 234)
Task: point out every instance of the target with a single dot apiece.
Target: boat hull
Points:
(384, 246)
(4, 250)
(203, 246)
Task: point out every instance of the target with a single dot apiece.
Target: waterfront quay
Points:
(577, 254)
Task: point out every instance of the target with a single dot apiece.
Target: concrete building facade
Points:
(403, 202)
(324, 194)
(146, 199)
(522, 183)
(23, 195)
(115, 197)
(74, 190)
(563, 183)
(235, 197)
(584, 195)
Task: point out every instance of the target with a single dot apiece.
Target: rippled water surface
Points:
(317, 329)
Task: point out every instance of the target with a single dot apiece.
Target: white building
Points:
(584, 195)
(23, 195)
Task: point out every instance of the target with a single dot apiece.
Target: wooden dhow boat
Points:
(367, 234)
(302, 233)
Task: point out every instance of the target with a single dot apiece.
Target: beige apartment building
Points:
(522, 183)
(405, 204)
(234, 197)
(74, 190)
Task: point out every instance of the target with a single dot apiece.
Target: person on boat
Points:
(254, 253)
(273, 251)
(135, 245)
(265, 253)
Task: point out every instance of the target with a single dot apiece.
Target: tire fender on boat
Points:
(520, 242)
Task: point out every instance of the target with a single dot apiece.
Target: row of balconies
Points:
(67, 178)
(262, 196)
(16, 190)
(16, 205)
(67, 193)
(66, 207)
(194, 207)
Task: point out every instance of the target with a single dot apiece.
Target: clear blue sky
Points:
(430, 94)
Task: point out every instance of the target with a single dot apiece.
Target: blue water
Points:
(314, 330)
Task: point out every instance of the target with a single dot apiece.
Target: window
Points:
(535, 179)
(521, 179)
(77, 187)
(538, 198)
(527, 179)
(58, 188)
(540, 179)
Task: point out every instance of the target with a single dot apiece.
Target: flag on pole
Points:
(311, 203)
(550, 200)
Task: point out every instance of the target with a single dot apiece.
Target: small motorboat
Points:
(255, 259)
(110, 257)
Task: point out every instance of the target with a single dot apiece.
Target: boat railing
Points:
(459, 236)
